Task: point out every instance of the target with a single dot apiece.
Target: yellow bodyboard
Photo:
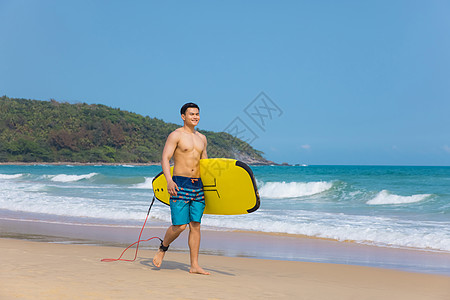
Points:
(228, 184)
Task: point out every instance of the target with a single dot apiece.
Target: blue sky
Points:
(350, 82)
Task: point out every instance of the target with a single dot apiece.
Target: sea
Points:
(388, 206)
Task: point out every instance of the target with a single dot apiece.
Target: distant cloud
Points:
(446, 148)
(306, 147)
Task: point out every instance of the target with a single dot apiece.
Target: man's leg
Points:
(194, 246)
(171, 234)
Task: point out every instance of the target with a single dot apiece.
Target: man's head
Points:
(187, 105)
(190, 113)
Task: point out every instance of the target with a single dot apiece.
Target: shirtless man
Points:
(187, 201)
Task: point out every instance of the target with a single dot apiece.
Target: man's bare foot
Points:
(158, 258)
(198, 270)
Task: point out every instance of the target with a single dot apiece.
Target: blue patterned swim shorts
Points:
(189, 203)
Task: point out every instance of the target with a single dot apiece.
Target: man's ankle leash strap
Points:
(162, 247)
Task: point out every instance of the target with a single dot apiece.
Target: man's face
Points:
(191, 116)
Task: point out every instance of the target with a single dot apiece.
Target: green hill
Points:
(51, 131)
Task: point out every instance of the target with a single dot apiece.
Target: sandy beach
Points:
(37, 270)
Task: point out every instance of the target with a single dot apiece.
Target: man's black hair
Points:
(186, 106)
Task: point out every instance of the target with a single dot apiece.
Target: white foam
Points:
(278, 190)
(341, 227)
(33, 198)
(71, 178)
(384, 197)
(35, 188)
(144, 185)
(19, 200)
(10, 176)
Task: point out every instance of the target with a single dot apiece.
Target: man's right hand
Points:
(172, 188)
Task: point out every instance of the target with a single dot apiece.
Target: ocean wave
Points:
(10, 176)
(361, 229)
(71, 178)
(278, 190)
(71, 206)
(384, 197)
(144, 185)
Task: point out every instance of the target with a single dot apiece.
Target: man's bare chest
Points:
(190, 143)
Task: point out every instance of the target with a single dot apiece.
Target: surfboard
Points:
(229, 186)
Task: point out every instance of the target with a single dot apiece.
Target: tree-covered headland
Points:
(51, 131)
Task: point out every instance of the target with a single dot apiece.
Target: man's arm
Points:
(204, 153)
(169, 149)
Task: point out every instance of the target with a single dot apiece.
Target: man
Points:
(187, 202)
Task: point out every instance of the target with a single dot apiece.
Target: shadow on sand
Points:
(174, 265)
